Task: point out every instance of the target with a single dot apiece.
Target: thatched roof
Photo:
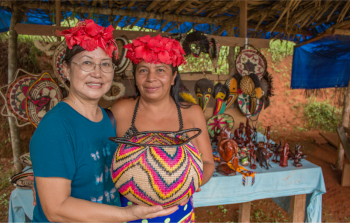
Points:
(266, 18)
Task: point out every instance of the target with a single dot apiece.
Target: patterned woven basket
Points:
(247, 85)
(157, 168)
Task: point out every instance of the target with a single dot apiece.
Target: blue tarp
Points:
(324, 63)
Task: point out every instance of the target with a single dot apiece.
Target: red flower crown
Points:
(155, 50)
(89, 35)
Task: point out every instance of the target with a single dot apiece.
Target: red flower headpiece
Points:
(155, 50)
(89, 35)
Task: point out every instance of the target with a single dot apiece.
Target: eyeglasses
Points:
(87, 66)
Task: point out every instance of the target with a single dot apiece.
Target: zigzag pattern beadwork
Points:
(156, 175)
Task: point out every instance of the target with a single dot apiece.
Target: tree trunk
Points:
(345, 122)
(17, 16)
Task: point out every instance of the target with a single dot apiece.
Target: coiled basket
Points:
(157, 168)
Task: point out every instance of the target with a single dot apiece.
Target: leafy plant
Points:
(3, 200)
(322, 115)
(280, 49)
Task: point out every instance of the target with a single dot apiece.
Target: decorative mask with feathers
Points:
(203, 89)
(221, 94)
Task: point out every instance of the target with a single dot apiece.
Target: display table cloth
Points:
(277, 183)
(273, 183)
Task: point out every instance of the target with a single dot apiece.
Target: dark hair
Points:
(70, 53)
(174, 90)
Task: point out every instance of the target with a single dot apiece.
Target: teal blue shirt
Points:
(70, 146)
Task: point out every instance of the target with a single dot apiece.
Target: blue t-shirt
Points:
(68, 145)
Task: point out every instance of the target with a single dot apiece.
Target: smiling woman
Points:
(157, 106)
(72, 167)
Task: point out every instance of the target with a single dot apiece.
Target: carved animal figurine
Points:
(284, 156)
(238, 134)
(252, 156)
(263, 156)
(291, 155)
(298, 156)
(276, 149)
(248, 133)
(267, 134)
(226, 147)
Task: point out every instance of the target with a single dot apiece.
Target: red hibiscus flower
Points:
(155, 50)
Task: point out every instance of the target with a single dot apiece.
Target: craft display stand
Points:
(298, 190)
(304, 184)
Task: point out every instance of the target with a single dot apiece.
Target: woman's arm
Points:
(203, 142)
(59, 206)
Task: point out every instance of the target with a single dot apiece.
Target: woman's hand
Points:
(31, 178)
(143, 212)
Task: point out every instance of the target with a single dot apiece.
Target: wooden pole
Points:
(231, 53)
(58, 13)
(17, 16)
(345, 123)
(243, 24)
(244, 212)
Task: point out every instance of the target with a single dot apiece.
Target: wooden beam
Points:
(243, 8)
(222, 10)
(313, 39)
(131, 3)
(166, 6)
(46, 30)
(163, 25)
(134, 23)
(151, 6)
(93, 6)
(297, 208)
(115, 24)
(344, 32)
(244, 212)
(204, 7)
(182, 6)
(17, 16)
(58, 13)
(125, 12)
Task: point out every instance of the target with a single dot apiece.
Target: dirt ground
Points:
(288, 125)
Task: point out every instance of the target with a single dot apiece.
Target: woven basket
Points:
(247, 85)
(157, 168)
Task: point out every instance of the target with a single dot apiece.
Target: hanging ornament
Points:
(203, 89)
(221, 93)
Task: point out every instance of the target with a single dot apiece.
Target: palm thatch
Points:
(280, 19)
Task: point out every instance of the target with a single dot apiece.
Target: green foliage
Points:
(280, 49)
(203, 63)
(4, 200)
(322, 115)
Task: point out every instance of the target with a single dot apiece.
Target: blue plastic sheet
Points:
(324, 63)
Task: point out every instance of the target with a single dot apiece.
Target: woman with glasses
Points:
(70, 150)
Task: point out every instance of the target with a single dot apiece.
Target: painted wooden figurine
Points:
(248, 133)
(252, 156)
(267, 135)
(263, 156)
(284, 156)
(227, 148)
(297, 156)
(276, 149)
(238, 134)
(221, 93)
